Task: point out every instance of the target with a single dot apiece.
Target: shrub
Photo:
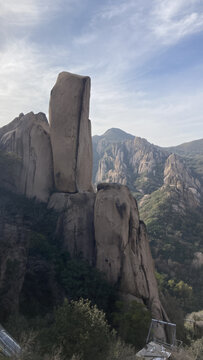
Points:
(132, 322)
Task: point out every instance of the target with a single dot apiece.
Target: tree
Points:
(81, 329)
(132, 322)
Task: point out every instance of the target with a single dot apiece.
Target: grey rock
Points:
(26, 157)
(76, 223)
(122, 246)
(197, 261)
(179, 177)
(127, 161)
(71, 133)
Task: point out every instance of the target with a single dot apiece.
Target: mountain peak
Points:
(114, 135)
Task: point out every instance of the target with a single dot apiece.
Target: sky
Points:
(144, 57)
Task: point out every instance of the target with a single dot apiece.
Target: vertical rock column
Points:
(71, 133)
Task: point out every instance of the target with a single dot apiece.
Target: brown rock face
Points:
(26, 156)
(71, 133)
(122, 246)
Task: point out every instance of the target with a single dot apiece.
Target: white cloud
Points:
(85, 39)
(112, 46)
(168, 120)
(25, 12)
(26, 79)
(169, 9)
(173, 20)
(110, 11)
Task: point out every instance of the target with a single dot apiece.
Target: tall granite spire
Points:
(71, 133)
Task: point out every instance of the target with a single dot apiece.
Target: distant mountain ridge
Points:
(114, 135)
(192, 152)
(194, 147)
(117, 135)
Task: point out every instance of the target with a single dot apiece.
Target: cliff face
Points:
(131, 161)
(177, 176)
(122, 246)
(25, 142)
(75, 223)
(104, 228)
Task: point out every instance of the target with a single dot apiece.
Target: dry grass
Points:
(121, 351)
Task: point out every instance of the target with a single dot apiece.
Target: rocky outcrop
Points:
(197, 262)
(122, 246)
(104, 228)
(26, 156)
(130, 161)
(145, 156)
(177, 176)
(76, 223)
(71, 133)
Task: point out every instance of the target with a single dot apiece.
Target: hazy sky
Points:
(145, 59)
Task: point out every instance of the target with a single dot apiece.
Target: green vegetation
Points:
(192, 352)
(190, 148)
(149, 182)
(74, 278)
(175, 236)
(10, 165)
(51, 272)
(76, 330)
(8, 159)
(195, 163)
(80, 329)
(132, 322)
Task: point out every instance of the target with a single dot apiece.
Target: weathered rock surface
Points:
(76, 223)
(130, 161)
(176, 175)
(71, 133)
(197, 262)
(26, 156)
(122, 246)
